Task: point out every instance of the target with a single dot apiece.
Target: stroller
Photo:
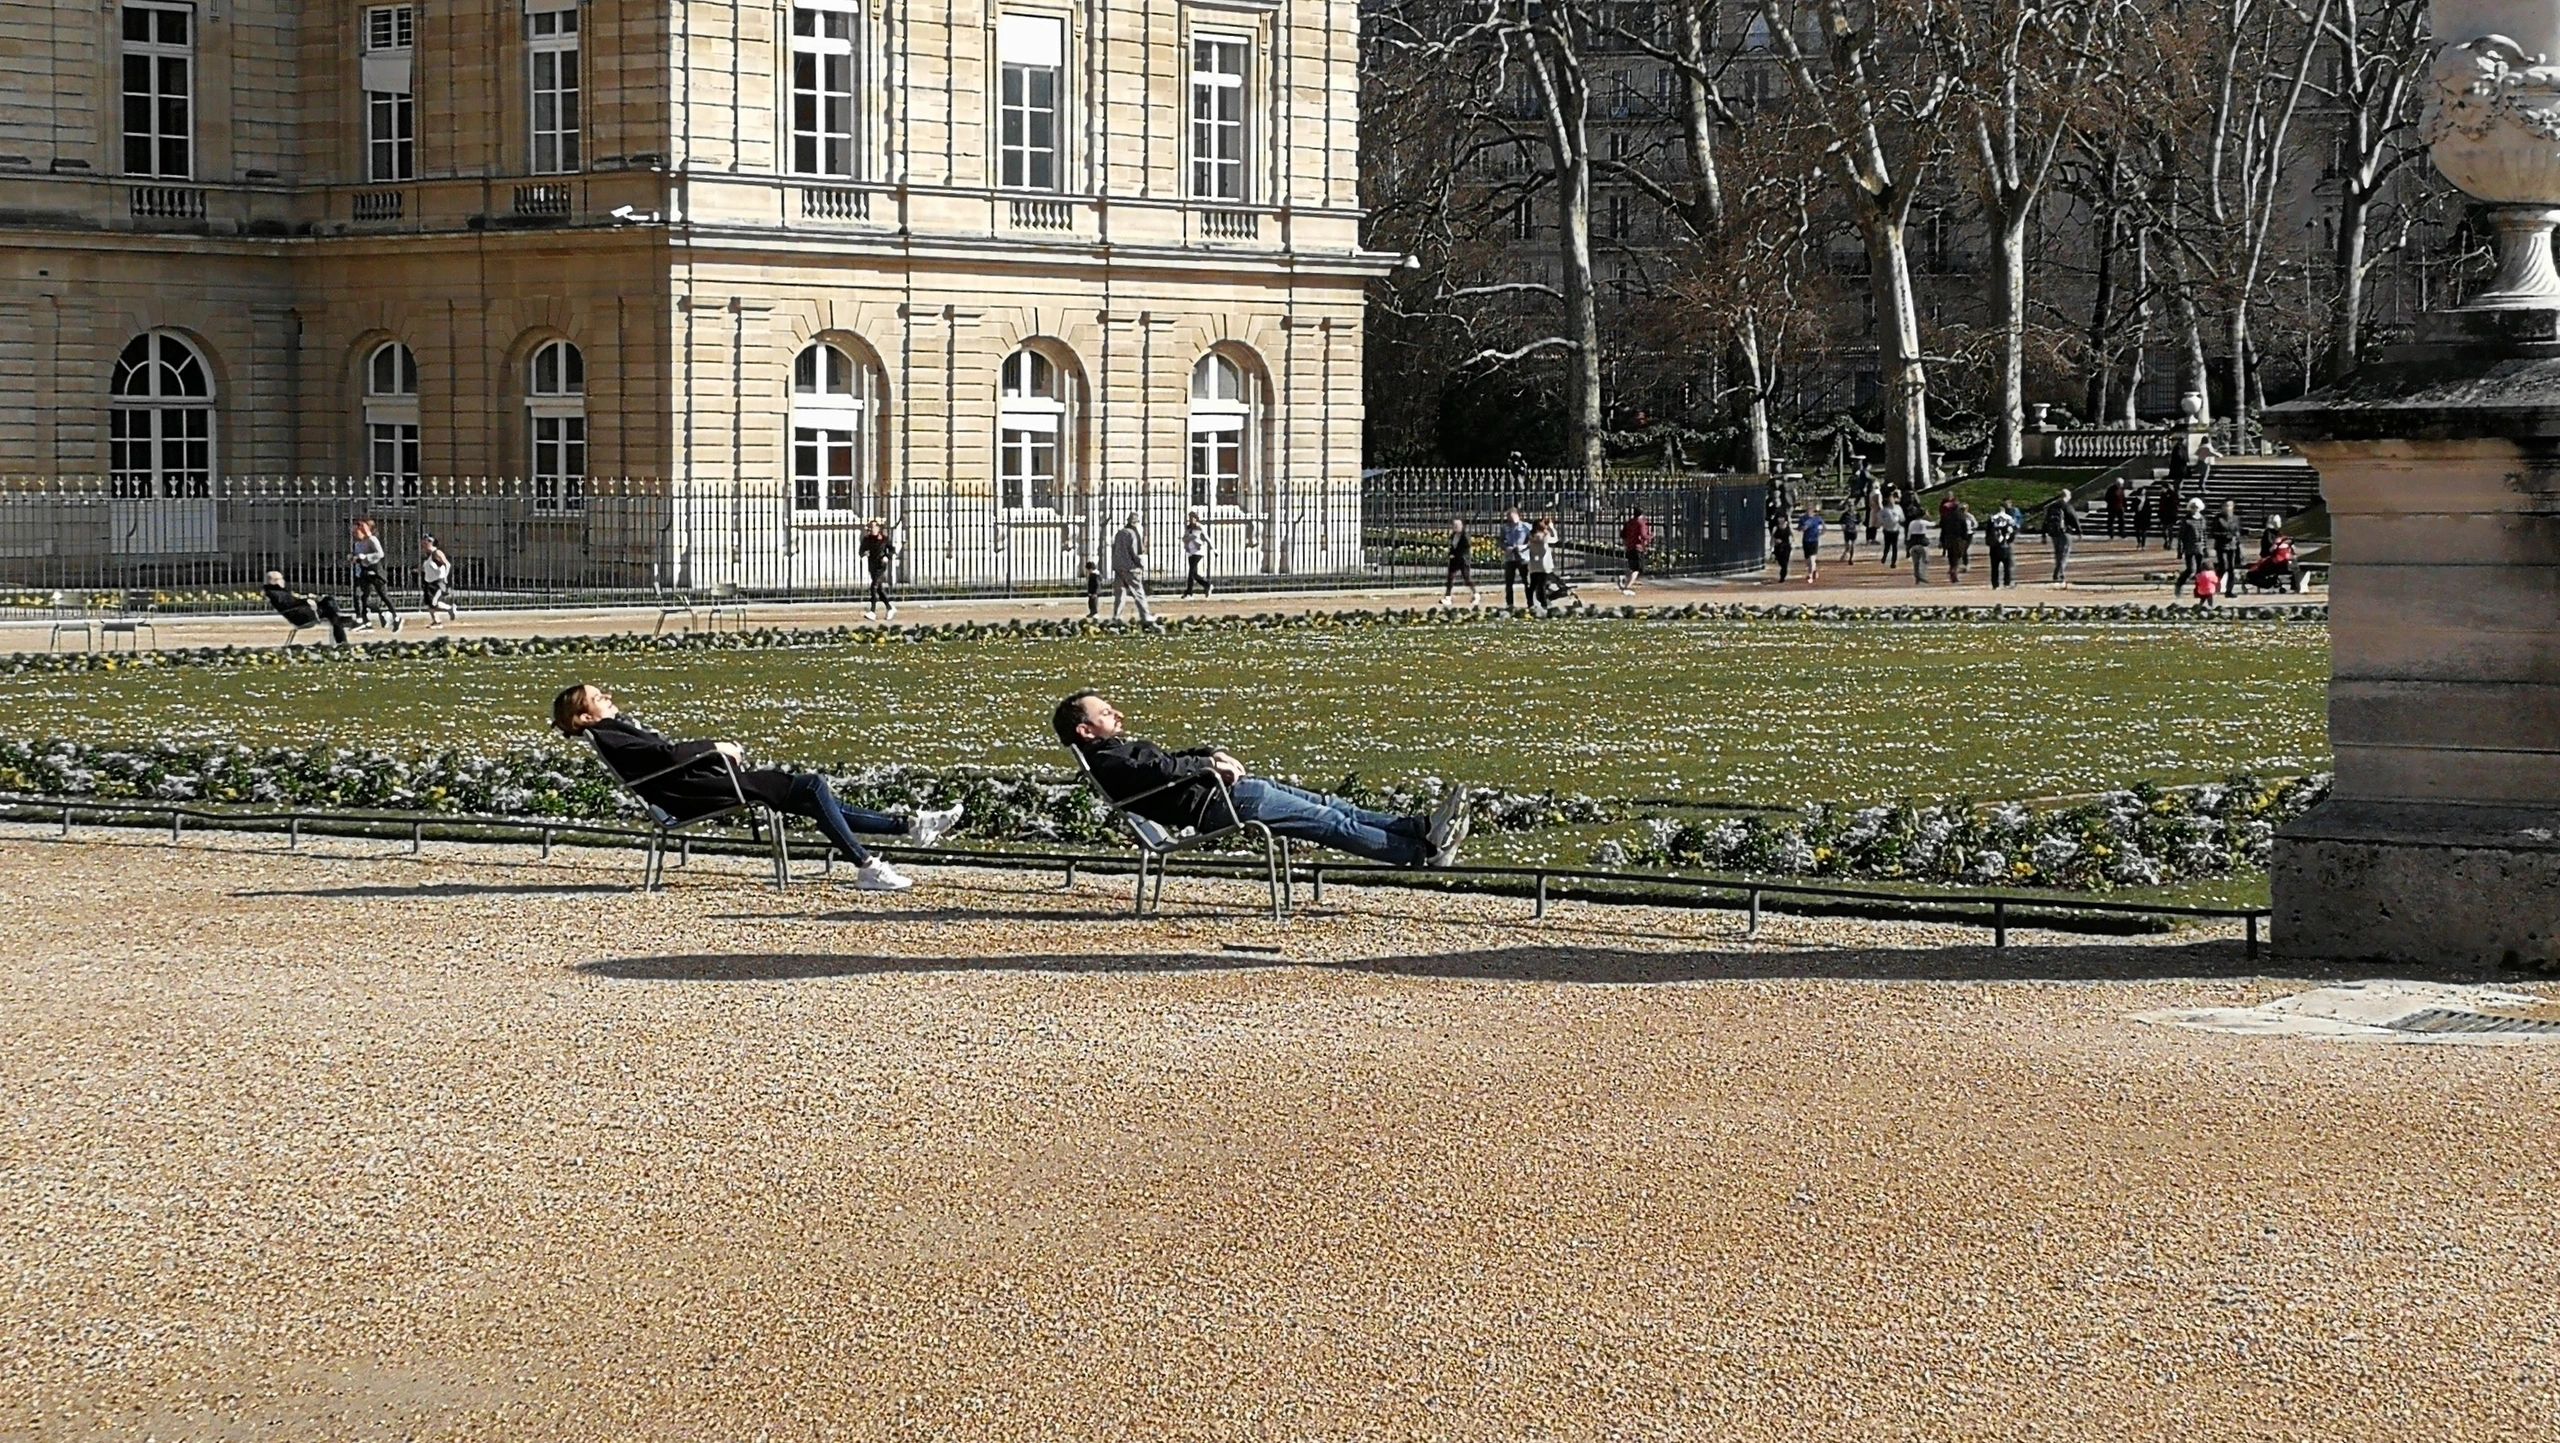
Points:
(2273, 571)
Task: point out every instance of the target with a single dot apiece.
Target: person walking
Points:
(2173, 508)
(2061, 528)
(2142, 507)
(1636, 538)
(435, 580)
(1889, 524)
(1195, 556)
(1809, 526)
(1849, 516)
(1461, 565)
(2224, 533)
(1515, 551)
(1956, 540)
(1915, 540)
(2000, 537)
(2190, 537)
(1129, 569)
(1092, 590)
(1782, 545)
(1875, 515)
(367, 555)
(879, 558)
(1543, 587)
(2118, 498)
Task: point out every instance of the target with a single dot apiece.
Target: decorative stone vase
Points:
(2492, 124)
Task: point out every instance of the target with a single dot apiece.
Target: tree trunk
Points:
(2009, 244)
(2346, 317)
(1753, 410)
(1581, 310)
(2239, 333)
(1906, 376)
(2102, 308)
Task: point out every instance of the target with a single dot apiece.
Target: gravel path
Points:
(352, 1145)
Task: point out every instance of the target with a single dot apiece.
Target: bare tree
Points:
(1874, 83)
(2031, 63)
(2374, 92)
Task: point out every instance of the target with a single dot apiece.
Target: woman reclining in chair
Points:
(632, 750)
(1185, 793)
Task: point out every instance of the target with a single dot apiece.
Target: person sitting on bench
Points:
(632, 750)
(302, 611)
(1124, 766)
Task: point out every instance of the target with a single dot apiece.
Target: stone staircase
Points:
(2263, 486)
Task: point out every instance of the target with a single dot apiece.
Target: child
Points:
(1092, 591)
(2208, 585)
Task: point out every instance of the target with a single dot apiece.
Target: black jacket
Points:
(293, 608)
(1126, 766)
(633, 750)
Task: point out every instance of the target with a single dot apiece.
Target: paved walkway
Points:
(2106, 572)
(340, 1145)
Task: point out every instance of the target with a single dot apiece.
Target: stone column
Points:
(2440, 461)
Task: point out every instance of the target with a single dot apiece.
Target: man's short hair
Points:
(1069, 716)
(568, 706)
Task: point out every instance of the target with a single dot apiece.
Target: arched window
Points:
(1032, 451)
(160, 420)
(835, 431)
(391, 424)
(1224, 430)
(555, 403)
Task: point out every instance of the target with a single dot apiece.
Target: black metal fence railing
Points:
(213, 540)
(1995, 911)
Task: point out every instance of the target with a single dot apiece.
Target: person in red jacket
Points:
(1637, 537)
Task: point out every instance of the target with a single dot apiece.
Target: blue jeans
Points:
(1330, 821)
(811, 797)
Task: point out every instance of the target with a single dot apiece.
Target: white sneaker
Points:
(1447, 817)
(926, 828)
(869, 615)
(893, 613)
(1446, 854)
(877, 875)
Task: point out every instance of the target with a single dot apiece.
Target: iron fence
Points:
(210, 542)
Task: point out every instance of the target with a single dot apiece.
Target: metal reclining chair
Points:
(761, 819)
(1155, 841)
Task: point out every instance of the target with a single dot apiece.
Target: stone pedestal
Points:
(2441, 845)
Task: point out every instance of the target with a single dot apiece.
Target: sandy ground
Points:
(349, 1145)
(2110, 573)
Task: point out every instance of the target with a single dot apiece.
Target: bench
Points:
(664, 824)
(1156, 842)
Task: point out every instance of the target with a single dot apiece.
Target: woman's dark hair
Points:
(567, 707)
(1069, 716)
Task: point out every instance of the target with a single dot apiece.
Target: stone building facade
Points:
(993, 270)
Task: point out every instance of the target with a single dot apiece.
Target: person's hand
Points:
(731, 750)
(1229, 770)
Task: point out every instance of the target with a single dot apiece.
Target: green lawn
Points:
(1758, 713)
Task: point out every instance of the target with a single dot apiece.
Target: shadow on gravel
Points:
(444, 889)
(2098, 962)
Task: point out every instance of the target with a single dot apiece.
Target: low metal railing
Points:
(1539, 883)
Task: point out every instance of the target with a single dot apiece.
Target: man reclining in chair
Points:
(1126, 767)
(300, 610)
(632, 750)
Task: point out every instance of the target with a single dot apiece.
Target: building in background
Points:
(998, 272)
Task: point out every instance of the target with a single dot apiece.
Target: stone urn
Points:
(2492, 125)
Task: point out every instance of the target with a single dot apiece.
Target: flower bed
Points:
(2145, 836)
(774, 638)
(572, 785)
